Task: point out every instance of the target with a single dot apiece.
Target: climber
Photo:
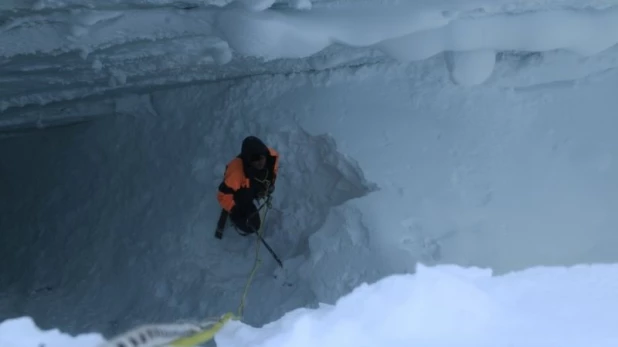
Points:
(249, 176)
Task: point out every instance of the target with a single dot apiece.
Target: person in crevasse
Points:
(249, 176)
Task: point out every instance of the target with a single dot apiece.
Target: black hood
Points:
(251, 146)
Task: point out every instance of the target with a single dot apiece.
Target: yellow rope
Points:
(208, 334)
(256, 264)
(202, 336)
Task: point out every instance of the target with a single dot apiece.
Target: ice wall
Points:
(505, 178)
(383, 166)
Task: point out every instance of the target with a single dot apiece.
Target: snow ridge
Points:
(101, 50)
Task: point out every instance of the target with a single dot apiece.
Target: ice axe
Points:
(267, 204)
(270, 250)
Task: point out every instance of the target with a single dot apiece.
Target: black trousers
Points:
(246, 219)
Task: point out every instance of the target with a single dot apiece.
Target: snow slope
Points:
(443, 306)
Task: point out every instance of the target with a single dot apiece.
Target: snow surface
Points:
(58, 50)
(386, 162)
(442, 306)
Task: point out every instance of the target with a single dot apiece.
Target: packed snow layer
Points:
(382, 167)
(61, 50)
(439, 306)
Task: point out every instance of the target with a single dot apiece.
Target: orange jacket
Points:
(242, 183)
